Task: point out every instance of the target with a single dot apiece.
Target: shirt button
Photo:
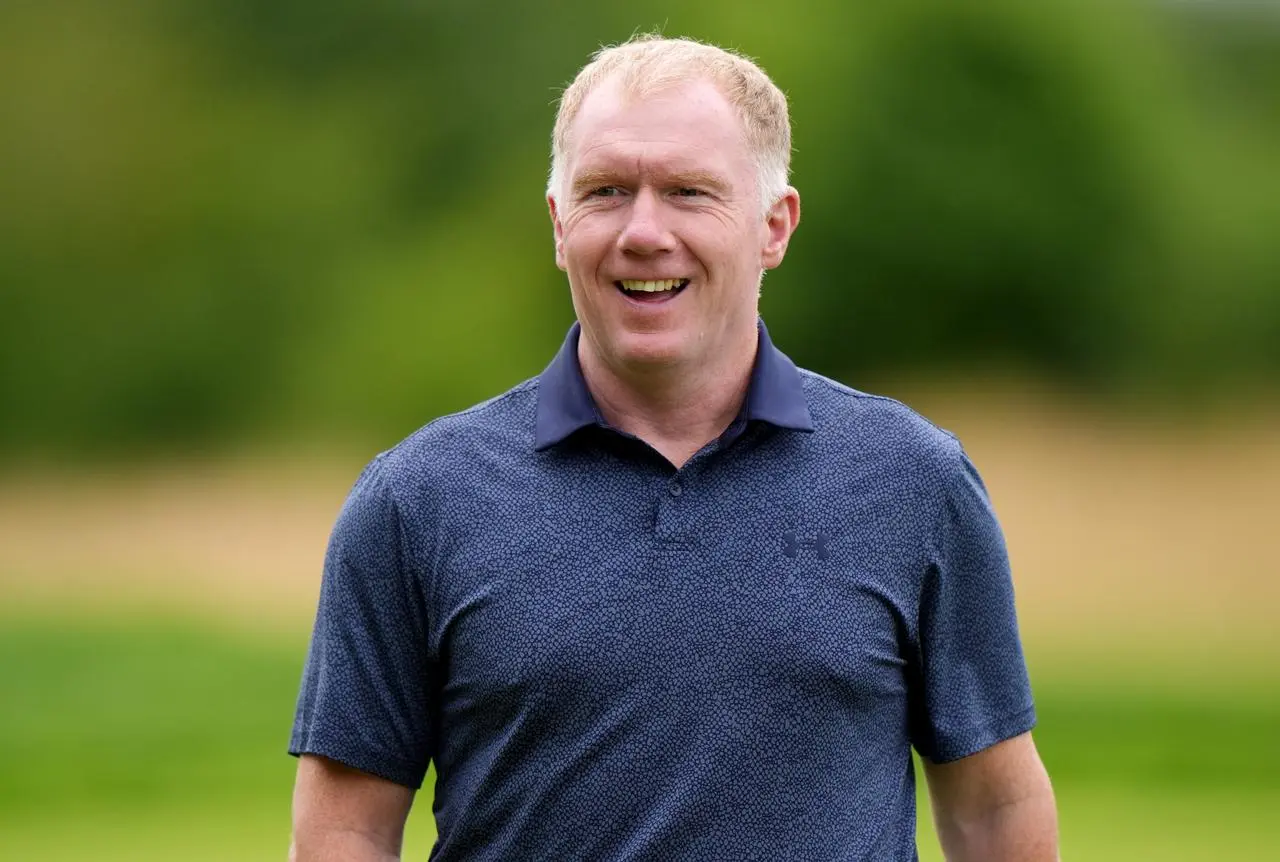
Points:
(674, 488)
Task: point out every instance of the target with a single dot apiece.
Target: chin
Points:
(657, 348)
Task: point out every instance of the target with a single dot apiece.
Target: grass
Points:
(157, 739)
(151, 734)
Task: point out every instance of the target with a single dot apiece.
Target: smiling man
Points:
(674, 598)
(665, 221)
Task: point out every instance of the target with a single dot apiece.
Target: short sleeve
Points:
(971, 684)
(364, 695)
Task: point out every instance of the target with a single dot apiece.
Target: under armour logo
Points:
(791, 544)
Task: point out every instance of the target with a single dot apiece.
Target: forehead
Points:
(686, 126)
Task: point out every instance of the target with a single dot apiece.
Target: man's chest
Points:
(666, 588)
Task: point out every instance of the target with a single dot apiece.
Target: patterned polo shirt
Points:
(608, 658)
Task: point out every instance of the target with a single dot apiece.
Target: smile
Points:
(651, 291)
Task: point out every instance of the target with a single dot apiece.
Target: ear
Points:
(780, 223)
(558, 228)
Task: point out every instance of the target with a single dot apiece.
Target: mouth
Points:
(661, 290)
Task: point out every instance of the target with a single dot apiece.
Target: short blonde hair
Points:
(648, 64)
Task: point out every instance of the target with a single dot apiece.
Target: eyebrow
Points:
(595, 178)
(699, 179)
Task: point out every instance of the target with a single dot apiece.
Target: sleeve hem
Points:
(954, 746)
(397, 771)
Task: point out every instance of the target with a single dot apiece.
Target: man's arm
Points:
(343, 814)
(995, 806)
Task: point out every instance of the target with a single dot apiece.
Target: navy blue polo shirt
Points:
(610, 659)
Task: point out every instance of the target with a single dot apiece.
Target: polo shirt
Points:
(608, 658)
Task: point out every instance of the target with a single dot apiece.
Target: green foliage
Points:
(226, 218)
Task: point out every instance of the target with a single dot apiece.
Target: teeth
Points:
(652, 286)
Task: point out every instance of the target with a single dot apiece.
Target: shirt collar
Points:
(775, 393)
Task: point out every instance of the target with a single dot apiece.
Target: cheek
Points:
(728, 254)
(585, 241)
(723, 239)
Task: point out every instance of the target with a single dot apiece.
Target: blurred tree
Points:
(220, 218)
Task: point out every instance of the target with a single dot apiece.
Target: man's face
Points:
(664, 190)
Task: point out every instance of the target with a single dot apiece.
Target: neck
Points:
(675, 409)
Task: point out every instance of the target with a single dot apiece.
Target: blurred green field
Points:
(139, 738)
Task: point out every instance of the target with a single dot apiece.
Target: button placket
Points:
(672, 527)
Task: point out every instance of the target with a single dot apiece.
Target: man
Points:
(675, 598)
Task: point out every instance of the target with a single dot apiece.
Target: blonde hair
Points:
(648, 64)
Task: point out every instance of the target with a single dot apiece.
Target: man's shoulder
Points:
(866, 422)
(498, 428)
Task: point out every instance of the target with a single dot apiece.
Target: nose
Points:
(645, 232)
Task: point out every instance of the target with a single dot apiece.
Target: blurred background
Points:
(246, 245)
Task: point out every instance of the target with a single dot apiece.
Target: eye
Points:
(606, 192)
(688, 192)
